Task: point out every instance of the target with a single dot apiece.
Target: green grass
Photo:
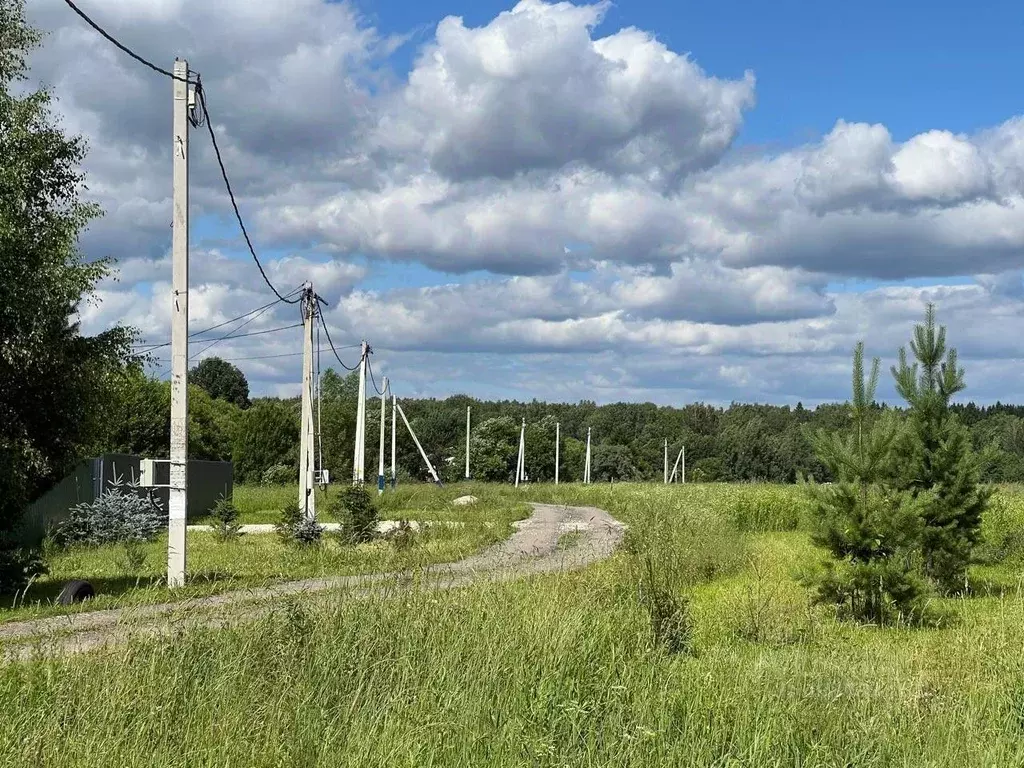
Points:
(562, 670)
(254, 560)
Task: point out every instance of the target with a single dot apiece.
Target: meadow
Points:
(577, 669)
(122, 578)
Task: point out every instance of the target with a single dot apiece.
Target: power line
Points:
(334, 349)
(201, 97)
(125, 49)
(251, 333)
(215, 327)
(242, 336)
(369, 367)
(250, 357)
(231, 335)
(235, 336)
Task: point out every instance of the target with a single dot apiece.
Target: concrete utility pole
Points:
(666, 461)
(416, 440)
(177, 500)
(383, 418)
(586, 468)
(682, 473)
(394, 422)
(307, 437)
(558, 437)
(467, 441)
(359, 452)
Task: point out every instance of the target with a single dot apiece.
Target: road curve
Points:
(531, 549)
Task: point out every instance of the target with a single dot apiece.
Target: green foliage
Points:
(294, 527)
(934, 456)
(132, 558)
(123, 513)
(225, 519)
(54, 380)
(18, 567)
(871, 530)
(354, 508)
(612, 463)
(222, 381)
(267, 434)
(402, 537)
(494, 449)
(142, 423)
(279, 474)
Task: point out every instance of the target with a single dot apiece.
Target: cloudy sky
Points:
(604, 201)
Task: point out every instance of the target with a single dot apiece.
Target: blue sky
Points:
(713, 225)
(910, 64)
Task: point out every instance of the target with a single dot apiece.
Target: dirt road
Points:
(532, 549)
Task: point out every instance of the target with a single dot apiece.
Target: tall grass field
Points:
(581, 669)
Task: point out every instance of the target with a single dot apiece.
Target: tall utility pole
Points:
(467, 441)
(359, 452)
(307, 437)
(383, 419)
(177, 501)
(666, 461)
(682, 473)
(586, 468)
(394, 422)
(558, 436)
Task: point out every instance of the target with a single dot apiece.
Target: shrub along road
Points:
(532, 549)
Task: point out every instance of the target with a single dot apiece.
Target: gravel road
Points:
(532, 549)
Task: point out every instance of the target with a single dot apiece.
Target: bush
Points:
(279, 474)
(132, 557)
(355, 510)
(402, 537)
(18, 566)
(121, 514)
(225, 517)
(294, 527)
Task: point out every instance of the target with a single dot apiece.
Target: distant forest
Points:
(733, 444)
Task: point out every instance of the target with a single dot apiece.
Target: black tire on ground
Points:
(75, 591)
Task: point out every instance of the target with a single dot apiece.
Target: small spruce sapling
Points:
(125, 512)
(294, 527)
(225, 519)
(355, 510)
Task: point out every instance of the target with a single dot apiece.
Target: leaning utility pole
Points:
(423, 454)
(586, 469)
(307, 439)
(359, 452)
(675, 468)
(383, 418)
(394, 422)
(177, 494)
(467, 442)
(521, 462)
(558, 436)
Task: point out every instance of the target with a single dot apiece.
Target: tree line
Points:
(737, 443)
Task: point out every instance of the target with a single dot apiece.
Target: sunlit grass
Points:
(562, 670)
